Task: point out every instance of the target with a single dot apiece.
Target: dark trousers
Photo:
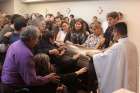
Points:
(48, 88)
(92, 77)
(89, 79)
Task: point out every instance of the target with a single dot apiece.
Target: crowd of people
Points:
(34, 56)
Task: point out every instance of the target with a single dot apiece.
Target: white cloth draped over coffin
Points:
(117, 67)
(81, 49)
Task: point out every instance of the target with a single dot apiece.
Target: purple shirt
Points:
(18, 68)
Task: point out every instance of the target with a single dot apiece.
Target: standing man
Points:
(19, 69)
(112, 19)
(117, 67)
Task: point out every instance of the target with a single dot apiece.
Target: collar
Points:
(123, 39)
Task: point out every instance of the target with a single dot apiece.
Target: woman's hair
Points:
(3, 21)
(82, 23)
(97, 25)
(49, 35)
(64, 22)
(42, 64)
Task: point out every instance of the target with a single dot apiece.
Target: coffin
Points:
(82, 50)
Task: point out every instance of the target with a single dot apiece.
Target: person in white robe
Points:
(117, 66)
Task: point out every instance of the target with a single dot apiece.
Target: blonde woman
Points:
(96, 39)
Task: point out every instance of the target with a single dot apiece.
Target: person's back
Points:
(19, 68)
(14, 37)
(131, 67)
(117, 67)
(14, 62)
(43, 67)
(10, 37)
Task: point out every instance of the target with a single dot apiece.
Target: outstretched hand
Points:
(53, 77)
(76, 56)
(81, 71)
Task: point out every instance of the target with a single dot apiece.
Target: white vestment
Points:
(117, 67)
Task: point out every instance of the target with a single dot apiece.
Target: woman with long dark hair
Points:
(78, 34)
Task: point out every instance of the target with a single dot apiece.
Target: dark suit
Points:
(108, 37)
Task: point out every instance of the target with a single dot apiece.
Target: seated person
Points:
(62, 33)
(43, 67)
(96, 39)
(78, 34)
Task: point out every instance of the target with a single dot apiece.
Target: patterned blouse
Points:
(91, 41)
(76, 37)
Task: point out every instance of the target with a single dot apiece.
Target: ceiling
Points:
(31, 1)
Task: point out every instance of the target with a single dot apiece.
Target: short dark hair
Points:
(72, 15)
(57, 17)
(19, 23)
(120, 13)
(49, 34)
(113, 15)
(121, 27)
(14, 16)
(49, 15)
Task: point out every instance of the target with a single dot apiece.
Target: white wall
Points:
(13, 7)
(7, 6)
(87, 9)
(84, 9)
(19, 7)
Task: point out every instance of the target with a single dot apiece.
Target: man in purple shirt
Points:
(18, 68)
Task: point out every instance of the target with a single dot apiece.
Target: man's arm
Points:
(28, 74)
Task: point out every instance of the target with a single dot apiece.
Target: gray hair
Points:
(36, 22)
(29, 32)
